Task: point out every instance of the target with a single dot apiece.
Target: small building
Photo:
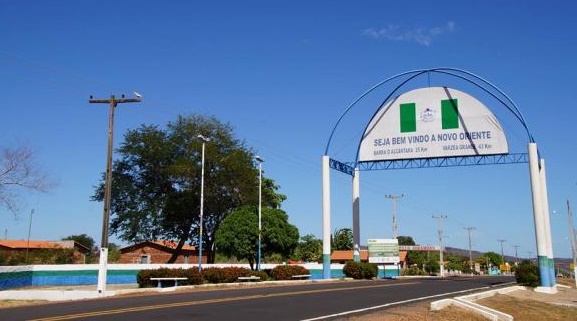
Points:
(149, 252)
(347, 255)
(32, 248)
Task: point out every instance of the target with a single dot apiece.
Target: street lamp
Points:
(203, 140)
(29, 229)
(260, 161)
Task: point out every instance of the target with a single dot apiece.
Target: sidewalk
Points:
(69, 292)
(80, 292)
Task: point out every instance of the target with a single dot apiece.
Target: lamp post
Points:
(29, 229)
(260, 161)
(203, 140)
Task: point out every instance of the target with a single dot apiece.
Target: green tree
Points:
(432, 263)
(494, 258)
(88, 242)
(238, 234)
(113, 253)
(83, 239)
(157, 179)
(309, 249)
(416, 257)
(455, 262)
(342, 239)
(406, 240)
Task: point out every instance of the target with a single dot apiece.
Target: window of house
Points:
(145, 259)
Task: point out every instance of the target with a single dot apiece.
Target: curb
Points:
(467, 302)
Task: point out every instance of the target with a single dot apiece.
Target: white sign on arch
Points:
(432, 122)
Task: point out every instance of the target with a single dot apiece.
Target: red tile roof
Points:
(172, 245)
(166, 244)
(35, 244)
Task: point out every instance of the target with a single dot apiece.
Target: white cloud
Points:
(420, 36)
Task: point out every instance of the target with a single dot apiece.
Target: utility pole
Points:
(516, 256)
(112, 103)
(469, 229)
(573, 242)
(502, 253)
(440, 236)
(395, 198)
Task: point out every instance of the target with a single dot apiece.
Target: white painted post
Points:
(326, 217)
(356, 211)
(547, 221)
(102, 271)
(540, 233)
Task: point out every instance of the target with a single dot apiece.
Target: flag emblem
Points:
(449, 115)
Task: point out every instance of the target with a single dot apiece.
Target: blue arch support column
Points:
(547, 221)
(541, 231)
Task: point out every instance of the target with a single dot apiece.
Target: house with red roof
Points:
(42, 252)
(150, 252)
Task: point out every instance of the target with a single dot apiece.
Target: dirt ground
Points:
(526, 305)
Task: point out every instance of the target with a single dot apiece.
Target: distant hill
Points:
(508, 258)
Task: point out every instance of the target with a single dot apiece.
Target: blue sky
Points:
(281, 73)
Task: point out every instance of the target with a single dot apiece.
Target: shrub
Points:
(360, 270)
(224, 275)
(263, 275)
(413, 270)
(527, 274)
(213, 275)
(143, 276)
(286, 272)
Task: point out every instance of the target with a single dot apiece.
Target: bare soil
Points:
(526, 305)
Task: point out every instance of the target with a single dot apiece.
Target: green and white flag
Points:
(432, 122)
(449, 115)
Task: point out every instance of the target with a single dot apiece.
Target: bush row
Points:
(216, 275)
(143, 277)
(360, 270)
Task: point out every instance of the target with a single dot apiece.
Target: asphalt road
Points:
(305, 301)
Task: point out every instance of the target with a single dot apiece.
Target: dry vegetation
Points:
(522, 305)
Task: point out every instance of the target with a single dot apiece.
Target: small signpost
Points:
(384, 251)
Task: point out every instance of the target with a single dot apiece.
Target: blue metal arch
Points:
(509, 104)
